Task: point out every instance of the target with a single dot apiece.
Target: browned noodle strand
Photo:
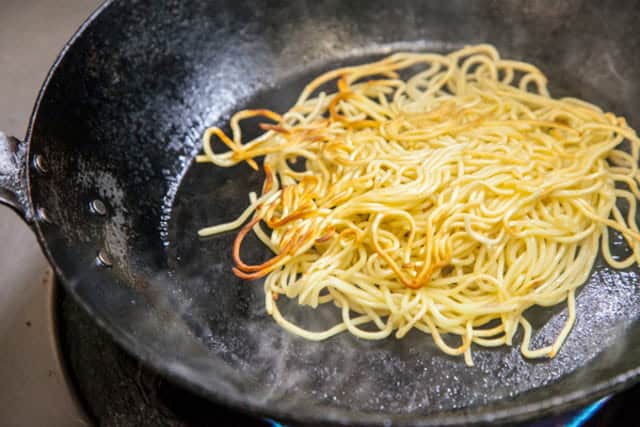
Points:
(461, 195)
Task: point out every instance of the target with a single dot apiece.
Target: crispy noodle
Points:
(449, 201)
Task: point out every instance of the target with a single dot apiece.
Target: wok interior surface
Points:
(121, 120)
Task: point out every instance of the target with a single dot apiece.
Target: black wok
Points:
(106, 179)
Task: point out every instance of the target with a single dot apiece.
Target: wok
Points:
(107, 181)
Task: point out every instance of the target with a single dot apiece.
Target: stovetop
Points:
(116, 390)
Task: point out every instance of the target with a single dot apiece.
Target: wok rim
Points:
(553, 405)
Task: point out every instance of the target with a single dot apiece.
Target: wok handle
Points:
(14, 190)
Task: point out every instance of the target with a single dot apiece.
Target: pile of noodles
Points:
(439, 192)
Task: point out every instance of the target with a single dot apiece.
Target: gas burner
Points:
(116, 390)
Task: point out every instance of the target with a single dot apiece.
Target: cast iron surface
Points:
(120, 119)
(118, 391)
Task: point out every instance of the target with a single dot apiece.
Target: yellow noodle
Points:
(460, 195)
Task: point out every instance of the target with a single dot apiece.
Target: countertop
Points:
(34, 391)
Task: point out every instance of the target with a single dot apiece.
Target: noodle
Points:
(443, 193)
